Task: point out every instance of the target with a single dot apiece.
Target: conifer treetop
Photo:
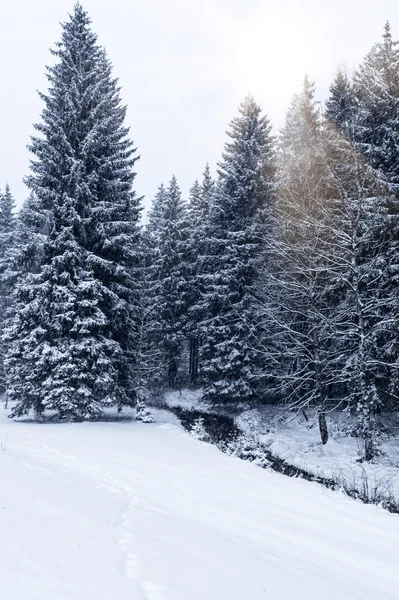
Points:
(387, 36)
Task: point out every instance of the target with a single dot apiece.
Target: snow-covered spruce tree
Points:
(22, 260)
(365, 108)
(150, 359)
(364, 316)
(238, 224)
(341, 105)
(7, 217)
(376, 127)
(59, 357)
(295, 308)
(84, 163)
(7, 241)
(166, 289)
(376, 135)
(25, 254)
(155, 216)
(200, 202)
(363, 302)
(374, 131)
(193, 289)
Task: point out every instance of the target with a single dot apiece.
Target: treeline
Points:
(276, 282)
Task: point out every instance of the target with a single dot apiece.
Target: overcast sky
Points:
(184, 65)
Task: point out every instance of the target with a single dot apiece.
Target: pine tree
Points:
(7, 240)
(362, 302)
(155, 215)
(237, 227)
(166, 288)
(374, 132)
(150, 352)
(377, 137)
(193, 289)
(22, 259)
(341, 104)
(82, 172)
(32, 227)
(59, 357)
(199, 208)
(7, 217)
(376, 129)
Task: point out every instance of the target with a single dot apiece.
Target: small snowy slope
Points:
(297, 441)
(128, 511)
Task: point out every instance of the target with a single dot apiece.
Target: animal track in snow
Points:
(130, 559)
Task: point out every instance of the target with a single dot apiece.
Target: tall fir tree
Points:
(83, 170)
(362, 305)
(238, 224)
(7, 215)
(376, 89)
(166, 280)
(374, 132)
(151, 355)
(193, 290)
(7, 242)
(60, 358)
(199, 209)
(341, 105)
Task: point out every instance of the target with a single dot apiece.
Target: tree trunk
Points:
(172, 373)
(193, 366)
(368, 446)
(323, 428)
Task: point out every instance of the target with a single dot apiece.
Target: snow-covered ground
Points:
(130, 511)
(188, 399)
(297, 441)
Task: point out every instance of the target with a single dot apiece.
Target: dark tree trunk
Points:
(194, 359)
(323, 428)
(368, 446)
(172, 373)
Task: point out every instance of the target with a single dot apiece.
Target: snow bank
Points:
(297, 441)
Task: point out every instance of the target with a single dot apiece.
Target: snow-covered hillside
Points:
(128, 511)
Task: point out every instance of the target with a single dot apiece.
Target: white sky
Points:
(184, 65)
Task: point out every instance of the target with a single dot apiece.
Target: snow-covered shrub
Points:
(199, 432)
(247, 447)
(143, 414)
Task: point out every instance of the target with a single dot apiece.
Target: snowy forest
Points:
(275, 283)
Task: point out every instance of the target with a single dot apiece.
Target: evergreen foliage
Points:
(341, 104)
(199, 210)
(166, 287)
(7, 241)
(276, 281)
(83, 304)
(237, 225)
(376, 128)
(362, 307)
